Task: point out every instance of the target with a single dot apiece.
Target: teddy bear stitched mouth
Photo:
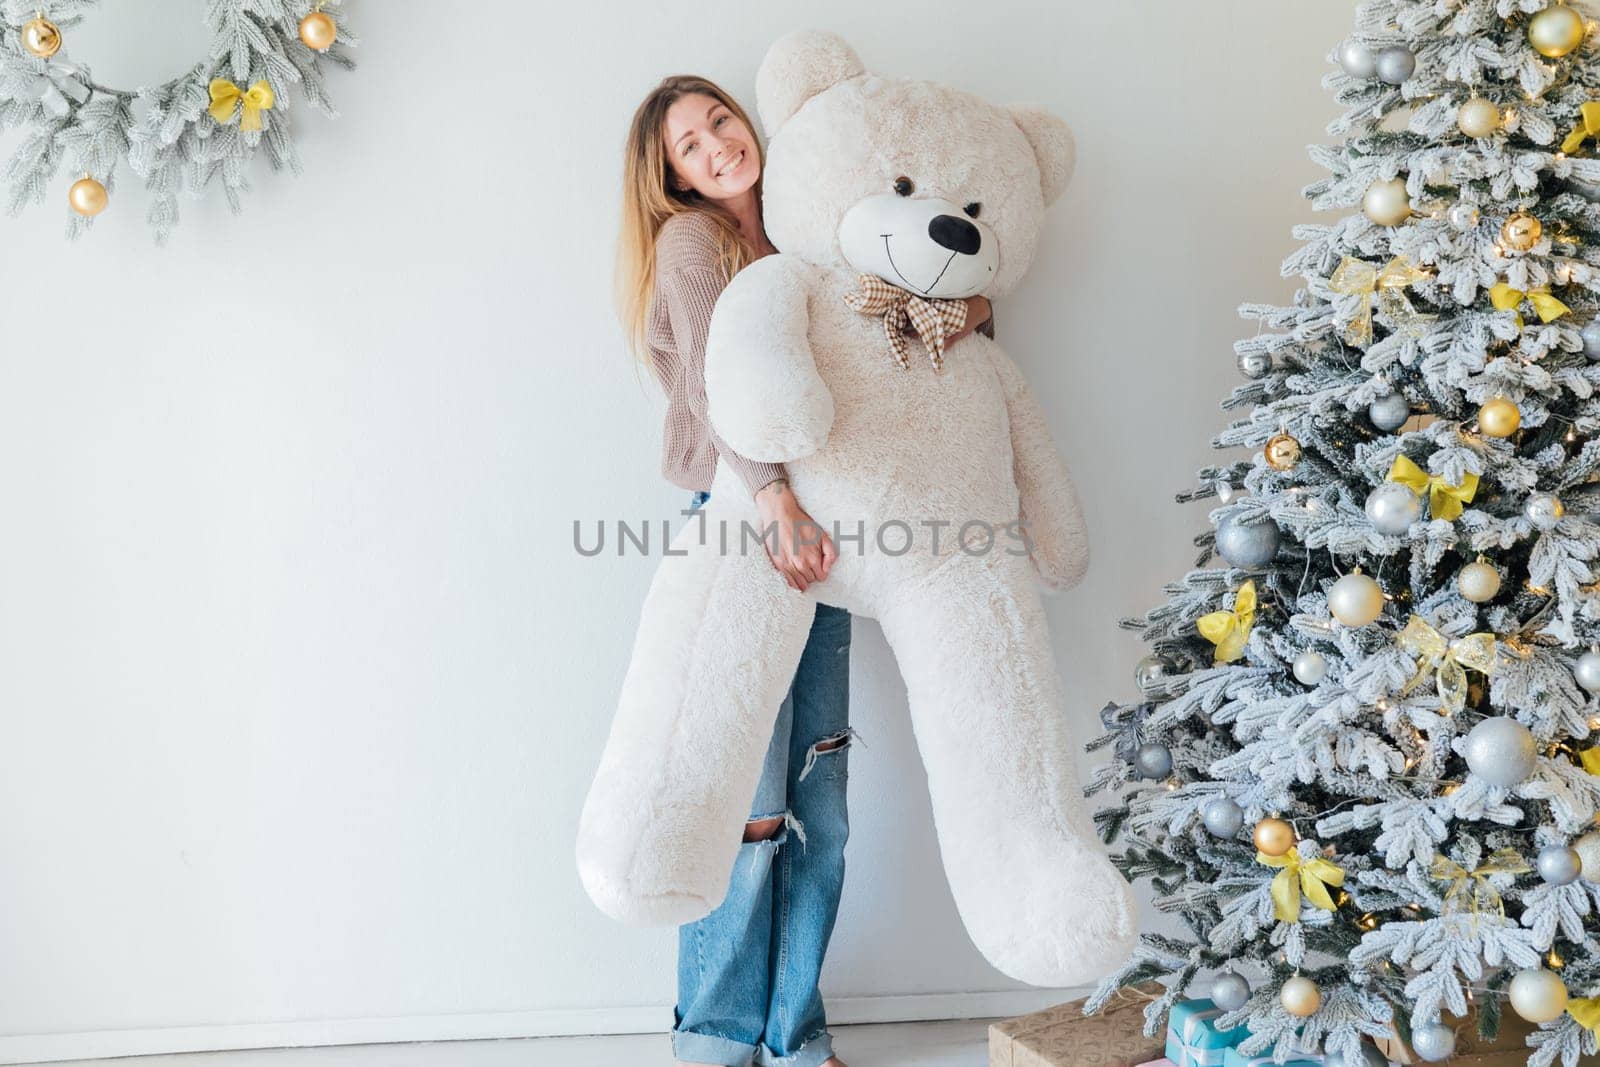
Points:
(890, 253)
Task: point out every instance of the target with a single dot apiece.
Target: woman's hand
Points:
(804, 552)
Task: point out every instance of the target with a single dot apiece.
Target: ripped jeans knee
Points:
(832, 743)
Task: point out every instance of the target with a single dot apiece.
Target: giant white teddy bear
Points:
(943, 195)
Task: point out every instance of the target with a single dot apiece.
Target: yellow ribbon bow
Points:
(1587, 1011)
(1444, 500)
(1505, 298)
(1449, 660)
(1296, 876)
(1358, 276)
(1501, 861)
(1590, 757)
(225, 95)
(1588, 125)
(1229, 630)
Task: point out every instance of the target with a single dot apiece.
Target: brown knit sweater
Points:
(688, 281)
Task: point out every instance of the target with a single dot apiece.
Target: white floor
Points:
(962, 1043)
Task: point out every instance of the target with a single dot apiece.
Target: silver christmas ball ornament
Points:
(1591, 340)
(1247, 545)
(1153, 760)
(1310, 667)
(1389, 413)
(1434, 1042)
(1393, 507)
(1224, 818)
(1544, 510)
(1255, 364)
(1152, 669)
(1559, 864)
(1396, 64)
(1587, 671)
(1355, 600)
(1357, 59)
(1230, 992)
(1465, 217)
(1501, 751)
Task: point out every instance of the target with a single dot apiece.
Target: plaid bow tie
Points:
(935, 319)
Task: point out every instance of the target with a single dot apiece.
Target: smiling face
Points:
(709, 149)
(931, 189)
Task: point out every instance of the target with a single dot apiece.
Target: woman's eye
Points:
(690, 147)
(720, 120)
(972, 209)
(903, 186)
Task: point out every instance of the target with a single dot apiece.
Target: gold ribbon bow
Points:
(1296, 876)
(225, 96)
(934, 318)
(1587, 1011)
(1505, 298)
(1358, 276)
(1449, 660)
(1444, 500)
(1588, 125)
(1229, 630)
(1501, 861)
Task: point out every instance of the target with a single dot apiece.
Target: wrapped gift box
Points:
(1508, 1049)
(1063, 1036)
(1193, 1039)
(1162, 1062)
(1234, 1058)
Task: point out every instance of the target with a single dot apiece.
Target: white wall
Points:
(301, 680)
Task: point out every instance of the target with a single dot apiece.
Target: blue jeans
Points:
(747, 973)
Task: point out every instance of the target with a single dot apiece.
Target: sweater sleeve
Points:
(690, 293)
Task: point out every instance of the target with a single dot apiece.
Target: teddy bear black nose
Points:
(955, 233)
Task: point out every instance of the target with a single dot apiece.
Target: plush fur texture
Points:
(794, 375)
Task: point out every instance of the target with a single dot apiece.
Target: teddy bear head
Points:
(931, 189)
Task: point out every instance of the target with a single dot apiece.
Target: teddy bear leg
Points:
(1034, 888)
(719, 638)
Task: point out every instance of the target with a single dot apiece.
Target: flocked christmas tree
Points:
(1363, 765)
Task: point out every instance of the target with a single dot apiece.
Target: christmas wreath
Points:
(181, 134)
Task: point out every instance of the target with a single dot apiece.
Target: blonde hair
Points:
(649, 200)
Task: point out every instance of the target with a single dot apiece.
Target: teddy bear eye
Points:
(972, 209)
(903, 186)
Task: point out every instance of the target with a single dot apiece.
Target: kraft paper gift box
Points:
(1063, 1036)
(1193, 1039)
(1508, 1049)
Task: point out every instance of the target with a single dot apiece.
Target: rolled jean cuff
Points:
(814, 1050)
(709, 1048)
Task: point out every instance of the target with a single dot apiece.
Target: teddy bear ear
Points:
(796, 68)
(1053, 145)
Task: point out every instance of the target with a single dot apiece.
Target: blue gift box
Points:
(1193, 1039)
(1234, 1058)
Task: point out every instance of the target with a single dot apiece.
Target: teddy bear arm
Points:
(1052, 518)
(764, 395)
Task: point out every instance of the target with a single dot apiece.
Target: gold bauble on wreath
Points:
(1556, 31)
(318, 31)
(41, 37)
(88, 197)
(1499, 418)
(1282, 452)
(1273, 837)
(1520, 232)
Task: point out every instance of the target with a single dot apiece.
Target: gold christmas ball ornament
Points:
(1520, 232)
(1556, 31)
(1386, 202)
(1300, 997)
(41, 37)
(1538, 995)
(318, 31)
(1479, 582)
(1478, 117)
(1273, 837)
(88, 197)
(1282, 452)
(1499, 418)
(1355, 599)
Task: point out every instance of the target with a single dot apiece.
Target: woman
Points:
(747, 973)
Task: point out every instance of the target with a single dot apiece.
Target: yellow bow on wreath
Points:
(1501, 861)
(1295, 876)
(225, 95)
(1587, 1011)
(1229, 630)
(1505, 298)
(1444, 499)
(1450, 660)
(1588, 125)
(1358, 276)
